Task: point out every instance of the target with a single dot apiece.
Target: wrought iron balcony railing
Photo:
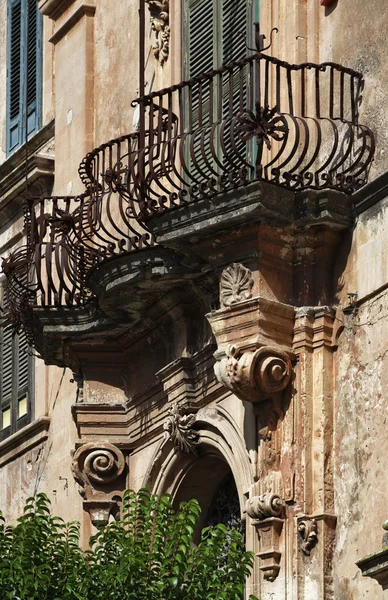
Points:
(260, 118)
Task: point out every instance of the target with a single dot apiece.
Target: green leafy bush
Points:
(147, 555)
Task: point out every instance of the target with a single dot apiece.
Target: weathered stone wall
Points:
(361, 379)
(351, 33)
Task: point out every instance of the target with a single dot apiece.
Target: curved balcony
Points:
(258, 119)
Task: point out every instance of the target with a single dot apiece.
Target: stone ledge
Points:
(40, 172)
(27, 438)
(53, 8)
(376, 567)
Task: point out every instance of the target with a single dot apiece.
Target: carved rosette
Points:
(98, 469)
(254, 376)
(264, 506)
(178, 428)
(235, 285)
(308, 532)
(160, 24)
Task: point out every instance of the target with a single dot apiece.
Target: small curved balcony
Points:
(256, 120)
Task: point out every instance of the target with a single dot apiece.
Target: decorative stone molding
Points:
(235, 285)
(253, 376)
(178, 428)
(160, 24)
(97, 468)
(264, 506)
(265, 511)
(308, 531)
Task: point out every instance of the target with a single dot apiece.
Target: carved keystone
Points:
(253, 376)
(178, 429)
(265, 511)
(97, 468)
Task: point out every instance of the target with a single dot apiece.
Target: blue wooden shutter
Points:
(34, 67)
(15, 75)
(24, 29)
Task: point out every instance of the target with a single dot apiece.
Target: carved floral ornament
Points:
(235, 285)
(178, 428)
(160, 24)
(254, 376)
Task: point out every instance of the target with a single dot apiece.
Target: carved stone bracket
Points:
(99, 468)
(265, 511)
(235, 285)
(264, 506)
(253, 376)
(178, 428)
(160, 24)
(308, 532)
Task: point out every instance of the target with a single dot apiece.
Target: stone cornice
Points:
(371, 194)
(54, 8)
(24, 440)
(13, 173)
(83, 10)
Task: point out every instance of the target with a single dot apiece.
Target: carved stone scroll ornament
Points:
(264, 506)
(235, 285)
(97, 468)
(308, 531)
(265, 512)
(178, 428)
(160, 24)
(253, 376)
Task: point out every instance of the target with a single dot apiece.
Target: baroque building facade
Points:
(194, 284)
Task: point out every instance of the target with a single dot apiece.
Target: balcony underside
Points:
(211, 155)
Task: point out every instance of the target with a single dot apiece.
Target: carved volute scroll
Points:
(254, 376)
(265, 512)
(160, 23)
(308, 532)
(178, 428)
(264, 506)
(99, 468)
(235, 285)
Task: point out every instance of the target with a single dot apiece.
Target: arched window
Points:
(225, 506)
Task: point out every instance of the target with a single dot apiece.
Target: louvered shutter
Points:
(15, 74)
(33, 73)
(234, 30)
(24, 41)
(199, 34)
(234, 47)
(15, 379)
(6, 375)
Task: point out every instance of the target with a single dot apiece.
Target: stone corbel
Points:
(308, 533)
(253, 376)
(265, 512)
(160, 24)
(99, 469)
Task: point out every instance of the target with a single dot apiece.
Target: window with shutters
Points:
(24, 80)
(217, 33)
(15, 380)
